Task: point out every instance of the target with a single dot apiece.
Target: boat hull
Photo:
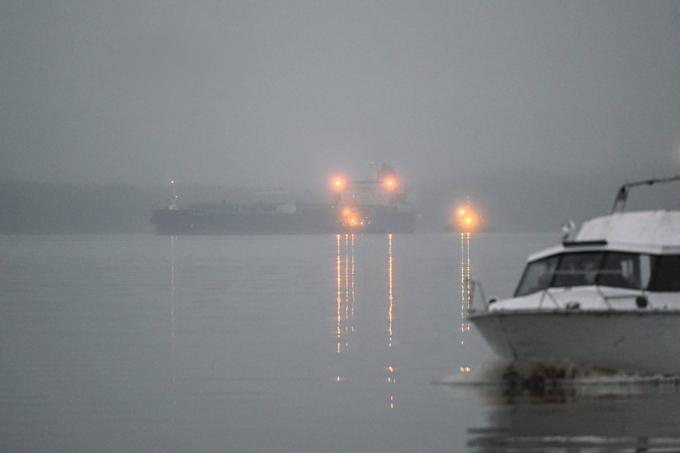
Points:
(641, 341)
(251, 220)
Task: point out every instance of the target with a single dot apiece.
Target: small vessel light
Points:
(467, 219)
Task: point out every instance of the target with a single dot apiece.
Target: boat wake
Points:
(560, 407)
(545, 378)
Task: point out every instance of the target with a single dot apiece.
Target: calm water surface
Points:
(280, 344)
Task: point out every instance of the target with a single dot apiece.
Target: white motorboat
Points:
(608, 297)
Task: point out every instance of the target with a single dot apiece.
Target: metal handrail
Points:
(478, 284)
(552, 298)
(605, 297)
(622, 194)
(632, 295)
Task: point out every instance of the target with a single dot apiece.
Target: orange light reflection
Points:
(391, 369)
(345, 269)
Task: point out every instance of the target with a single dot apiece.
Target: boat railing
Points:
(546, 292)
(476, 287)
(622, 194)
(639, 296)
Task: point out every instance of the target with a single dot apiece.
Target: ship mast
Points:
(173, 195)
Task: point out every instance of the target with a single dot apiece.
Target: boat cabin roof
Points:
(653, 232)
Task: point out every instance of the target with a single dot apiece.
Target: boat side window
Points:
(537, 276)
(578, 269)
(625, 270)
(666, 273)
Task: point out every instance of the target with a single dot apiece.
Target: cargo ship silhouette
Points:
(357, 206)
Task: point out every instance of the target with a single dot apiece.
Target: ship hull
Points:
(305, 220)
(642, 341)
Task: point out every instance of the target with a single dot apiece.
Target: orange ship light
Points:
(338, 183)
(390, 183)
(467, 219)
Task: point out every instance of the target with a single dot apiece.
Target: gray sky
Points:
(282, 92)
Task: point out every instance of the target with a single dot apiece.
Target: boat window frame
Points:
(598, 266)
(654, 260)
(639, 255)
(526, 269)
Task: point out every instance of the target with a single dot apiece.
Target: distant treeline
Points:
(37, 208)
(49, 208)
(507, 201)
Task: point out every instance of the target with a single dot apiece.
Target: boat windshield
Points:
(615, 269)
(577, 269)
(537, 276)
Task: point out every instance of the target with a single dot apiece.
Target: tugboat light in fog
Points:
(467, 219)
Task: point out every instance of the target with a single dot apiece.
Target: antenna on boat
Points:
(622, 194)
(568, 228)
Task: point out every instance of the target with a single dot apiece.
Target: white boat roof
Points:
(656, 232)
(661, 228)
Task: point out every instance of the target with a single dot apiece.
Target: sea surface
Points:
(125, 343)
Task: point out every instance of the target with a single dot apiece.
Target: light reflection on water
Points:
(275, 344)
(391, 368)
(345, 294)
(346, 305)
(465, 292)
(465, 281)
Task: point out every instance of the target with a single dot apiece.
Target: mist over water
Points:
(549, 103)
(533, 112)
(276, 343)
